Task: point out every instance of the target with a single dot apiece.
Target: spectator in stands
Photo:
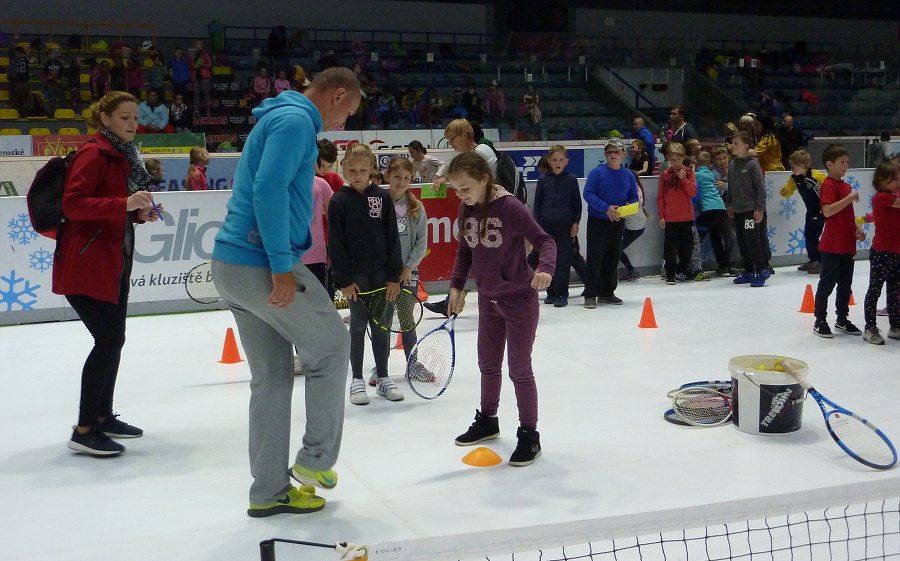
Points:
(495, 104)
(531, 106)
(262, 86)
(386, 108)
(426, 166)
(409, 104)
(640, 131)
(157, 74)
(472, 102)
(328, 60)
(880, 152)
(153, 116)
(201, 74)
(458, 109)
(767, 149)
(180, 114)
(790, 138)
(730, 130)
(19, 74)
(435, 113)
(281, 82)
(99, 81)
(72, 81)
(52, 80)
(134, 77)
(679, 129)
(117, 76)
(179, 73)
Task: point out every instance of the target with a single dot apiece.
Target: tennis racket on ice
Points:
(431, 362)
(702, 407)
(199, 285)
(723, 386)
(398, 316)
(860, 439)
(346, 550)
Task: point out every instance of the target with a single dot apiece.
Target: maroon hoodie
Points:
(497, 259)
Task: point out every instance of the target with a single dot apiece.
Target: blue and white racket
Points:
(431, 362)
(860, 439)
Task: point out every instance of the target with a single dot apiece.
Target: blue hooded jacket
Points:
(267, 224)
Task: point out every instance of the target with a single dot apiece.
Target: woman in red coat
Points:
(105, 194)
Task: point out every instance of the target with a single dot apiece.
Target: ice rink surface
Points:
(180, 492)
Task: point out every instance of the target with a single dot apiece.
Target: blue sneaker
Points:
(759, 279)
(550, 300)
(745, 278)
(561, 302)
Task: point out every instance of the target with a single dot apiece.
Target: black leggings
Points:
(106, 323)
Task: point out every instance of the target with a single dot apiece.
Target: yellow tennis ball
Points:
(779, 368)
(762, 367)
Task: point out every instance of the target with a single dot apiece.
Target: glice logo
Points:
(190, 239)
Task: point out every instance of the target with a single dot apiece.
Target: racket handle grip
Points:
(267, 550)
(801, 379)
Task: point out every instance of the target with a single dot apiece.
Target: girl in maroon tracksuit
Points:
(493, 229)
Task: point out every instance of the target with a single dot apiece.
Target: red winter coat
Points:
(89, 252)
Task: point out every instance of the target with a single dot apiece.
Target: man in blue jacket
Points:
(277, 302)
(643, 133)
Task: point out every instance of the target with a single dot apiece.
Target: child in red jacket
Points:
(677, 186)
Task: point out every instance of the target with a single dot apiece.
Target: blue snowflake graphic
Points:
(770, 188)
(865, 244)
(20, 229)
(854, 182)
(787, 208)
(796, 242)
(770, 232)
(41, 260)
(12, 295)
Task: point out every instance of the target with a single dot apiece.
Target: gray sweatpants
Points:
(268, 335)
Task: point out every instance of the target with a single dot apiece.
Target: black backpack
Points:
(509, 176)
(45, 196)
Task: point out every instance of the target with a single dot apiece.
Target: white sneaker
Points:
(388, 389)
(872, 335)
(894, 333)
(358, 395)
(298, 366)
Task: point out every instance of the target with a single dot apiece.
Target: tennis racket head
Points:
(199, 285)
(723, 386)
(431, 362)
(860, 439)
(702, 407)
(399, 315)
(673, 418)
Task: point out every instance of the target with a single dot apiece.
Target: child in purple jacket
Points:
(493, 229)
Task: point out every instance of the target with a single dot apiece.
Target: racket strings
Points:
(400, 315)
(861, 438)
(702, 406)
(199, 285)
(431, 363)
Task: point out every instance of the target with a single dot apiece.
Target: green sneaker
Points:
(327, 478)
(296, 501)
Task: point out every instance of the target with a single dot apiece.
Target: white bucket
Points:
(766, 401)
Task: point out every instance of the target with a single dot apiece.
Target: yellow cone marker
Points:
(481, 457)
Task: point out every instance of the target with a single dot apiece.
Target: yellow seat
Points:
(36, 131)
(4, 61)
(91, 130)
(84, 78)
(4, 95)
(86, 114)
(148, 63)
(69, 130)
(3, 77)
(51, 46)
(63, 114)
(10, 132)
(9, 114)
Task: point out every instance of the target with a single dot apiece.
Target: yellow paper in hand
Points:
(628, 210)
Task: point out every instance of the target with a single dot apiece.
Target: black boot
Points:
(528, 448)
(439, 308)
(484, 428)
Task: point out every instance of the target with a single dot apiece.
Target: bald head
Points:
(335, 93)
(637, 123)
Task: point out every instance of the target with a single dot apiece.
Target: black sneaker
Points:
(439, 308)
(484, 428)
(94, 443)
(847, 327)
(114, 428)
(822, 330)
(611, 299)
(681, 277)
(528, 448)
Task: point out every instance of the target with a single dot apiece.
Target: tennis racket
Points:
(431, 362)
(702, 407)
(723, 386)
(199, 285)
(673, 418)
(346, 550)
(860, 439)
(398, 316)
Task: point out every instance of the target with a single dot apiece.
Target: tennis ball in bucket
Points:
(761, 367)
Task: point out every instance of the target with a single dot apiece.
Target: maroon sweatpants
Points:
(511, 323)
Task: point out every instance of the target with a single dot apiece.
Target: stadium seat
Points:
(9, 115)
(10, 132)
(86, 114)
(34, 131)
(64, 114)
(69, 131)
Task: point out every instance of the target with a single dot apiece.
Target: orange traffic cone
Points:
(809, 301)
(648, 319)
(230, 353)
(852, 301)
(399, 345)
(422, 295)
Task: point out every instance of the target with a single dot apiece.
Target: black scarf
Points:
(139, 179)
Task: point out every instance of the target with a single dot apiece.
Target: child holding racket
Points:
(884, 259)
(412, 229)
(494, 228)
(364, 247)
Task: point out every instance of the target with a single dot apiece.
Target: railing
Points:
(58, 31)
